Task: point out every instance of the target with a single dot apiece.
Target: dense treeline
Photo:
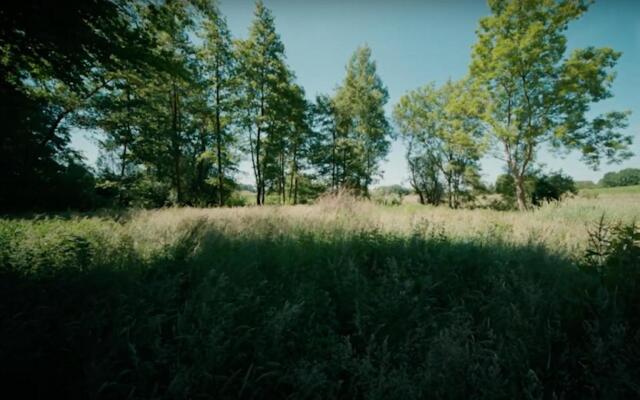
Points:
(174, 103)
(624, 177)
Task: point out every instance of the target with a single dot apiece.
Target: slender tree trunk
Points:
(282, 179)
(367, 176)
(334, 166)
(123, 164)
(344, 168)
(219, 138)
(176, 145)
(449, 191)
(259, 178)
(123, 159)
(253, 158)
(293, 183)
(200, 164)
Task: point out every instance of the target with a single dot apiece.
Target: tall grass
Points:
(342, 299)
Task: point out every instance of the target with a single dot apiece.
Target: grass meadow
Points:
(338, 299)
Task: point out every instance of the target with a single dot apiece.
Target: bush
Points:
(236, 199)
(540, 187)
(552, 187)
(389, 195)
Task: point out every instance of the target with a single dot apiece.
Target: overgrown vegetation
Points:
(357, 292)
(318, 301)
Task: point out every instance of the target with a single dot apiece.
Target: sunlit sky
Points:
(415, 42)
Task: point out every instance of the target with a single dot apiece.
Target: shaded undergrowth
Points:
(313, 314)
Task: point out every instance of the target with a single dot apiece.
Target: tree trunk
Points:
(334, 166)
(51, 132)
(293, 187)
(518, 176)
(521, 195)
(176, 146)
(123, 159)
(219, 138)
(283, 179)
(259, 180)
(200, 164)
(259, 186)
(449, 191)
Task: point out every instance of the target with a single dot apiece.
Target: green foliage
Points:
(237, 199)
(89, 310)
(443, 143)
(363, 131)
(174, 102)
(552, 188)
(539, 187)
(274, 110)
(614, 256)
(54, 58)
(624, 177)
(532, 95)
(389, 195)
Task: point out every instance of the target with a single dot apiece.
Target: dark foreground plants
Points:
(84, 313)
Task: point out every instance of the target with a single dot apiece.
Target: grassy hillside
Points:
(342, 299)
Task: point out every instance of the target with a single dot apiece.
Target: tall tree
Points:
(175, 129)
(265, 81)
(115, 112)
(323, 142)
(298, 143)
(220, 80)
(55, 58)
(534, 95)
(442, 137)
(360, 105)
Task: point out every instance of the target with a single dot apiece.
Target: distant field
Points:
(341, 299)
(613, 190)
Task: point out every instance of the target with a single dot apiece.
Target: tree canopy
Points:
(534, 95)
(175, 104)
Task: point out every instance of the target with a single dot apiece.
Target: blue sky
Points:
(415, 42)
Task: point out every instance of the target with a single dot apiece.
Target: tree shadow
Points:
(352, 315)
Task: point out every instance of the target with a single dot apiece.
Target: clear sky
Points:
(418, 41)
